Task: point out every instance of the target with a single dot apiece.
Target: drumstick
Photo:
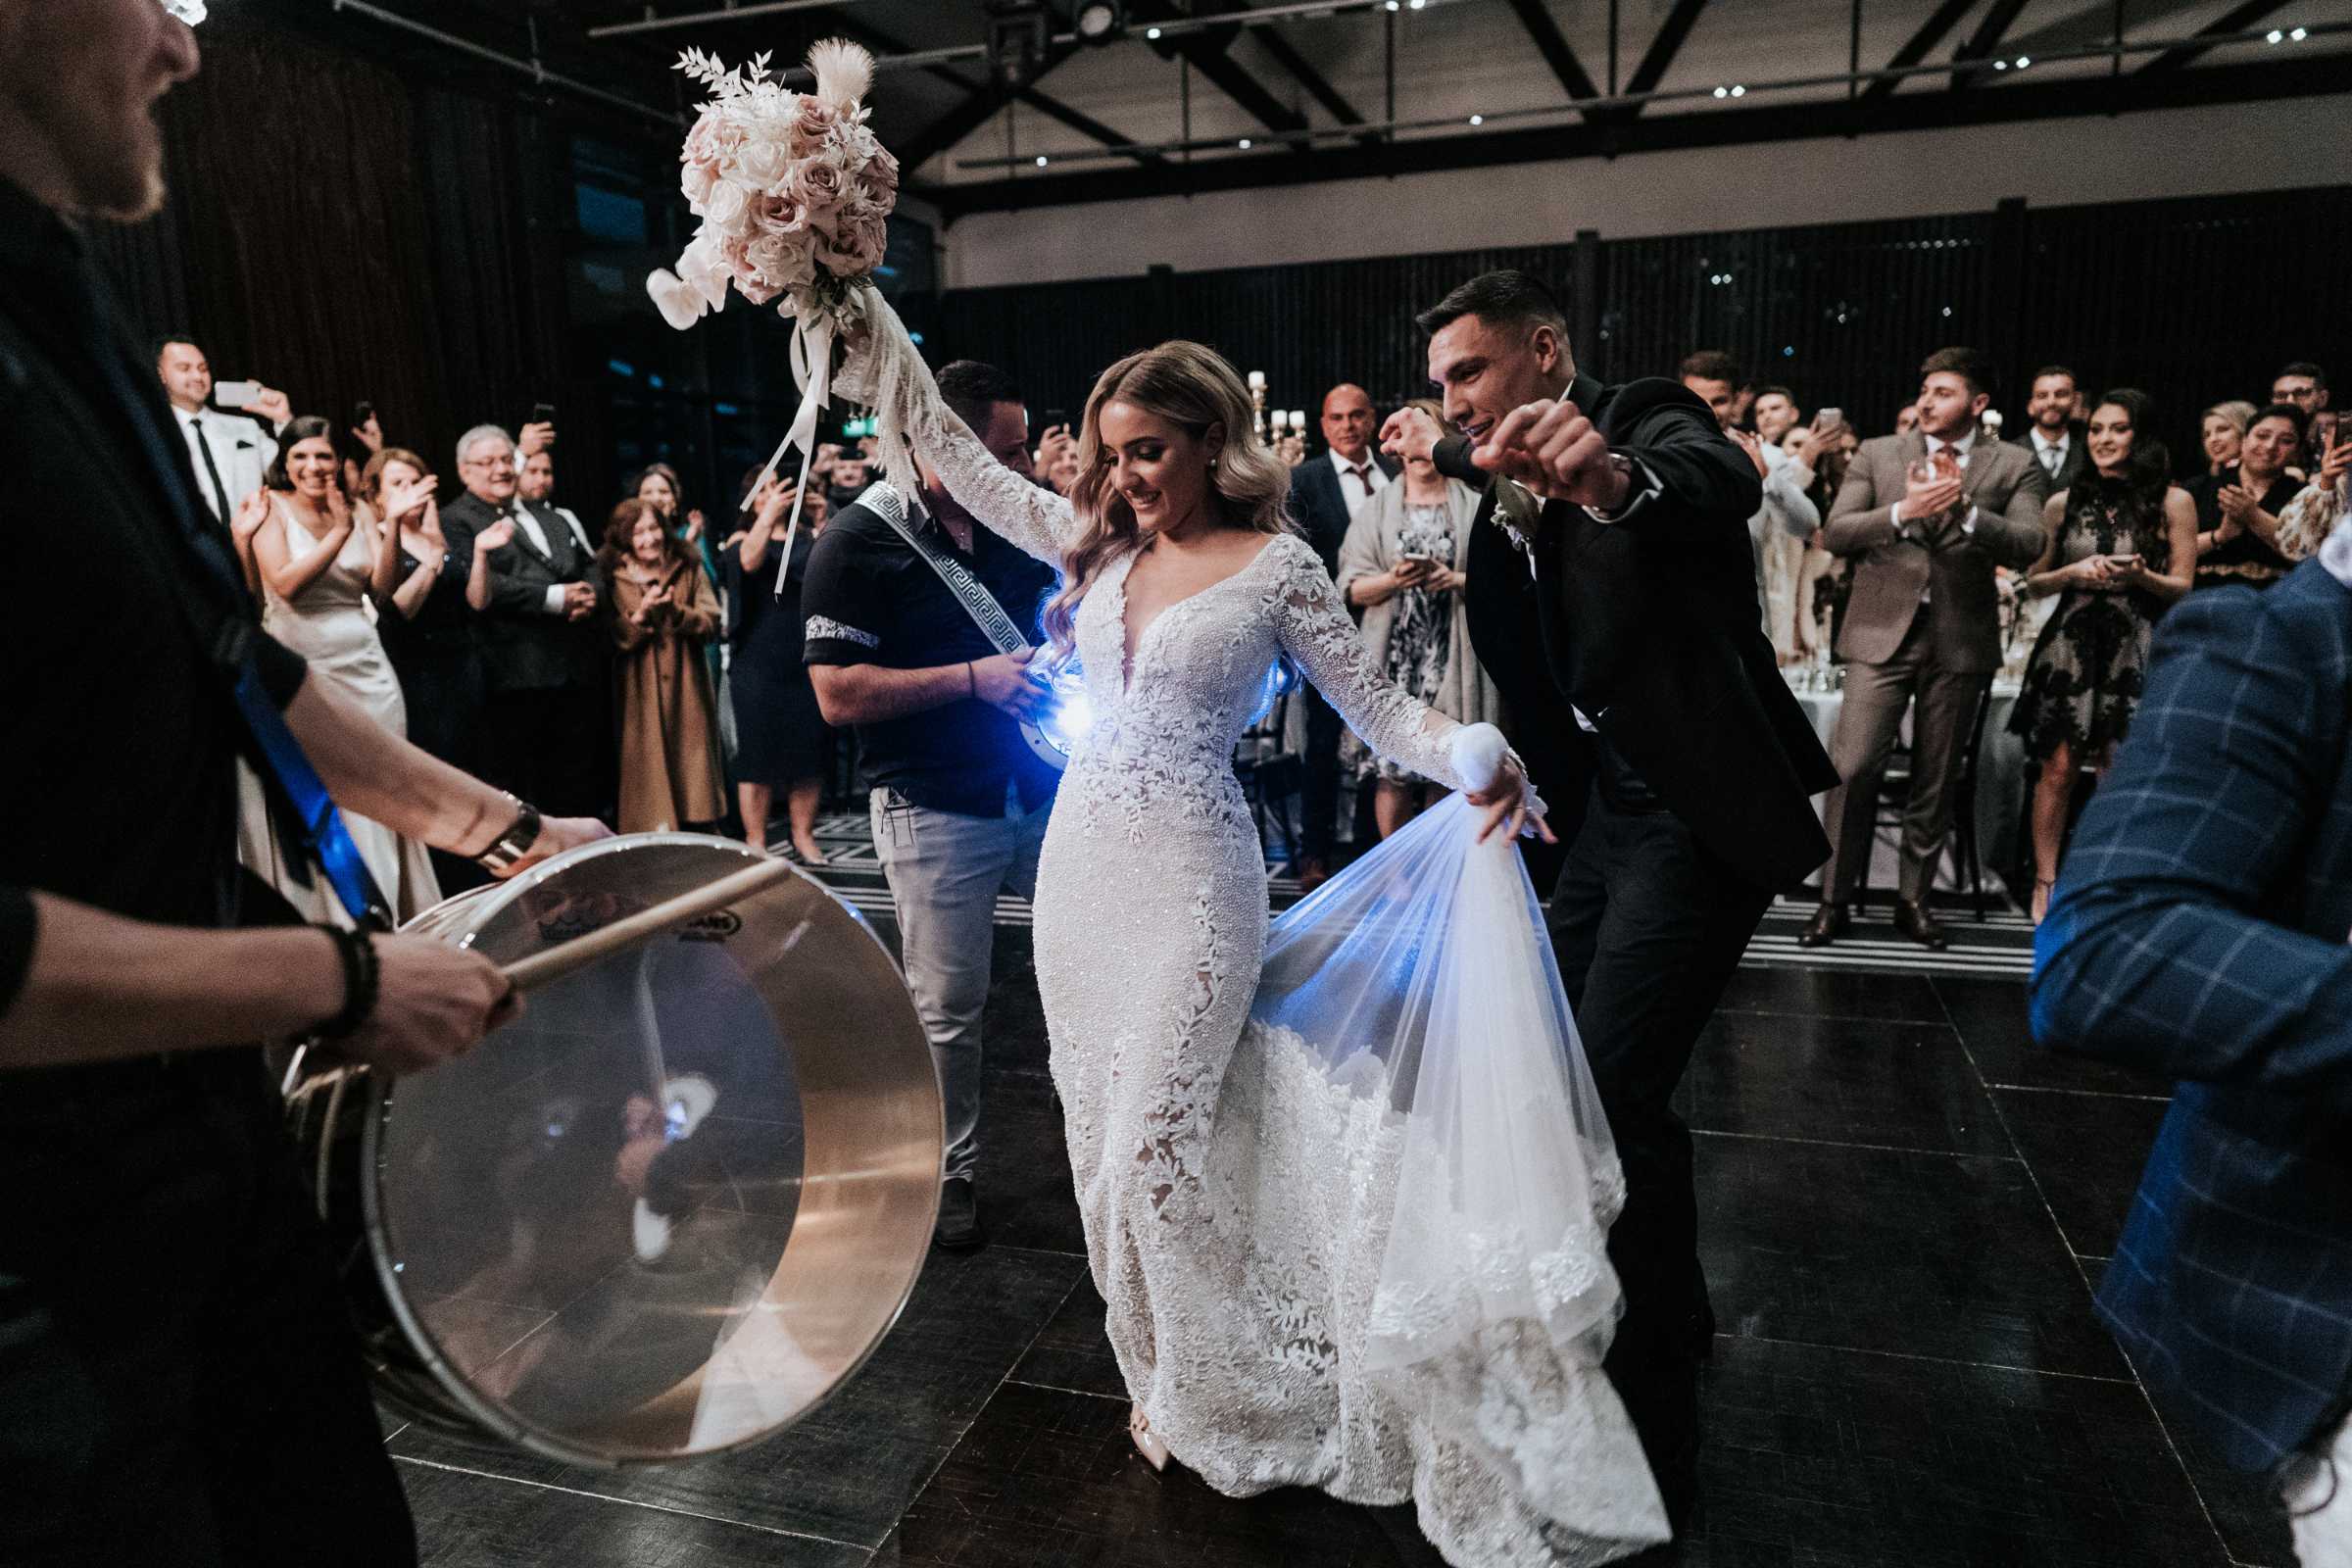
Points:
(545, 969)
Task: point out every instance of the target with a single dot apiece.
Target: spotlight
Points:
(2000, 65)
(1244, 144)
(1017, 34)
(1151, 33)
(2276, 36)
(1723, 93)
(2298, 34)
(1041, 160)
(2023, 60)
(1393, 6)
(1417, 4)
(1099, 20)
(1738, 92)
(1478, 120)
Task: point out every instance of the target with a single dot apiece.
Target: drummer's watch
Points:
(506, 851)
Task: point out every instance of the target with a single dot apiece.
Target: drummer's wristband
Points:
(357, 949)
(510, 847)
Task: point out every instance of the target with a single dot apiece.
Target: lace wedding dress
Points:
(1241, 1195)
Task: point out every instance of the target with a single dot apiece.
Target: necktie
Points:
(1363, 476)
(212, 471)
(2049, 460)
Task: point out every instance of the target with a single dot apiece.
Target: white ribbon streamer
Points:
(812, 370)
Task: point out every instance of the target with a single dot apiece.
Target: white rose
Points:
(762, 163)
(727, 204)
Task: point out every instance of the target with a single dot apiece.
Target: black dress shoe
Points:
(1826, 926)
(1913, 920)
(958, 1228)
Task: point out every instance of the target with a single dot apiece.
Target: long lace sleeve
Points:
(1025, 514)
(885, 371)
(1315, 631)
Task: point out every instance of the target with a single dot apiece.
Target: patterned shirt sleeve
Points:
(841, 604)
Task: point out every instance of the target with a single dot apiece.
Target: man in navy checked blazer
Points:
(2199, 932)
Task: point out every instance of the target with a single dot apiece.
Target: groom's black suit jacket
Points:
(1648, 627)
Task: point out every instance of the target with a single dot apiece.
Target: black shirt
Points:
(2246, 558)
(870, 599)
(120, 733)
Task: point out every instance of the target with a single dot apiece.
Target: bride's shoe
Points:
(1139, 1427)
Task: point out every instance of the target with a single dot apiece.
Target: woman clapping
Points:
(664, 615)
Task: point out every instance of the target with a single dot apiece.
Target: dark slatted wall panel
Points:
(2193, 300)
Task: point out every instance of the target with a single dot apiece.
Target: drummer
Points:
(177, 1380)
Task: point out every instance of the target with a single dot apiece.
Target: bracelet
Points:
(360, 978)
(510, 847)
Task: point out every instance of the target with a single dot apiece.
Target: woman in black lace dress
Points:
(2122, 546)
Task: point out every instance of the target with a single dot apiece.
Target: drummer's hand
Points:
(557, 834)
(433, 1002)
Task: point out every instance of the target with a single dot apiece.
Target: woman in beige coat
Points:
(663, 614)
(1401, 565)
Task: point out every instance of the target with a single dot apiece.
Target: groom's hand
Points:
(1410, 434)
(1554, 451)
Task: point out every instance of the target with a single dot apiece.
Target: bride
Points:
(1274, 1240)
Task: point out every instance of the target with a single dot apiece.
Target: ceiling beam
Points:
(1920, 45)
(982, 101)
(2236, 20)
(1303, 72)
(1206, 52)
(1984, 40)
(1659, 56)
(2019, 101)
(1550, 42)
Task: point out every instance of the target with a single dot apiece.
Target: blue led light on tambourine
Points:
(1072, 712)
(1282, 679)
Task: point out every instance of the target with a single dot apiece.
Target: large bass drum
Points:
(669, 1210)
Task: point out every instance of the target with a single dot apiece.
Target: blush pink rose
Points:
(811, 119)
(817, 186)
(695, 180)
(779, 215)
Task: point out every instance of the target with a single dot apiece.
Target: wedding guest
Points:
(365, 437)
(664, 613)
(1826, 447)
(547, 726)
(1775, 414)
(2302, 383)
(1778, 531)
(2320, 506)
(1906, 418)
(2239, 509)
(2054, 432)
(536, 484)
(231, 452)
(783, 744)
(1402, 566)
(2222, 429)
(418, 583)
(1057, 460)
(1923, 518)
(316, 567)
(958, 800)
(2198, 934)
(850, 479)
(2123, 548)
(1325, 499)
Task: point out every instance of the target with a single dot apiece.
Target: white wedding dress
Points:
(1240, 1193)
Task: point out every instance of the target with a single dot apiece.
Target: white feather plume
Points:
(844, 71)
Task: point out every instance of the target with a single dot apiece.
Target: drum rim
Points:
(503, 1424)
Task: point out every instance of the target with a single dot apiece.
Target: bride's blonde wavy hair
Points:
(1192, 387)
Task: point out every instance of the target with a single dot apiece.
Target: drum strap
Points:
(884, 502)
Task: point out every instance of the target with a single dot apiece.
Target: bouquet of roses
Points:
(792, 189)
(794, 193)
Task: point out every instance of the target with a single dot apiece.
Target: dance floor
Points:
(1903, 1207)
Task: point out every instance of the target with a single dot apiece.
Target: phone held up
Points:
(236, 394)
(543, 413)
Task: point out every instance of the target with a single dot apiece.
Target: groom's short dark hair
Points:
(1506, 298)
(972, 388)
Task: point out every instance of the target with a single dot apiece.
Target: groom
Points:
(1612, 599)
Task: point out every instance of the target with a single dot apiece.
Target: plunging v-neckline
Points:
(1130, 644)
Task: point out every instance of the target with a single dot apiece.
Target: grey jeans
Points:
(946, 870)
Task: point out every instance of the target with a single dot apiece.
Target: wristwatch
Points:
(506, 851)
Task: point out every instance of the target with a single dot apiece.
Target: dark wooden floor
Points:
(1904, 1206)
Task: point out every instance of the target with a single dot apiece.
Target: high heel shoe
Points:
(1139, 1428)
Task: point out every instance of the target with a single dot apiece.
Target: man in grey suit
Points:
(2054, 432)
(1924, 517)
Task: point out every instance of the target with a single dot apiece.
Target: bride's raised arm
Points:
(1313, 622)
(885, 371)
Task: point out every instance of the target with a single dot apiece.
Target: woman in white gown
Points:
(316, 564)
(1237, 1201)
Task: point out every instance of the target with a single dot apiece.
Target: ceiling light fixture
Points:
(1099, 20)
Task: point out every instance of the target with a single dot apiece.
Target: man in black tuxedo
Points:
(549, 715)
(2054, 432)
(1612, 598)
(1325, 493)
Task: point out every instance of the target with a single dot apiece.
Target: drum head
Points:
(667, 1211)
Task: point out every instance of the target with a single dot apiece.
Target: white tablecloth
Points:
(2000, 782)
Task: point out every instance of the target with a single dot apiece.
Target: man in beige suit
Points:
(1925, 516)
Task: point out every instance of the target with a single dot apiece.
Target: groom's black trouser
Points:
(1648, 926)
